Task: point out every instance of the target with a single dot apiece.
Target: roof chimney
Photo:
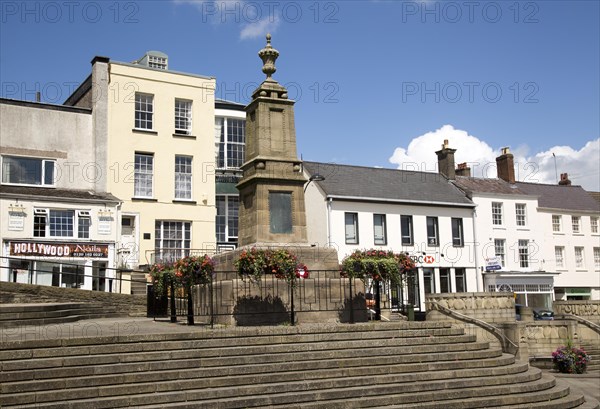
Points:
(506, 166)
(564, 180)
(446, 161)
(463, 170)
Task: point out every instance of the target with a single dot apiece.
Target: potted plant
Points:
(569, 359)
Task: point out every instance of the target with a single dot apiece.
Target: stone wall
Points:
(589, 309)
(536, 339)
(490, 307)
(134, 305)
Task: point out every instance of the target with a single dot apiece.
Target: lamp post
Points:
(314, 177)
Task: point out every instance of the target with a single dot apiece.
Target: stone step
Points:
(212, 348)
(416, 353)
(138, 283)
(411, 395)
(385, 363)
(343, 393)
(273, 384)
(87, 346)
(18, 315)
(226, 376)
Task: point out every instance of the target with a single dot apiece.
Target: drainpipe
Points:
(476, 250)
(329, 222)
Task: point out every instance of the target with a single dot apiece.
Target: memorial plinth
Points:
(272, 215)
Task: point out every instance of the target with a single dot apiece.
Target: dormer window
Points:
(18, 170)
(157, 62)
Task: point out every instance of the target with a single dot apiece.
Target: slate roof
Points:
(44, 193)
(487, 185)
(382, 184)
(561, 197)
(595, 195)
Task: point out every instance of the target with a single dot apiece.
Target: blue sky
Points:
(377, 83)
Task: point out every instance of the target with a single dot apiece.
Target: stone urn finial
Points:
(268, 55)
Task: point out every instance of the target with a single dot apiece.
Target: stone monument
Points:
(272, 215)
(271, 189)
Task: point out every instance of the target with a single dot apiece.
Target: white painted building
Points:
(55, 228)
(418, 213)
(569, 220)
(539, 241)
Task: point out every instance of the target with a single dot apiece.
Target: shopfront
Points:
(535, 289)
(61, 264)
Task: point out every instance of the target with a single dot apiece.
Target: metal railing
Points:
(592, 325)
(507, 345)
(267, 301)
(69, 279)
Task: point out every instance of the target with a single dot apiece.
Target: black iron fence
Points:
(269, 301)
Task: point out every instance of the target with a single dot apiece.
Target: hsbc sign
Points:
(423, 259)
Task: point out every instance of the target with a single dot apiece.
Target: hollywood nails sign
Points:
(58, 249)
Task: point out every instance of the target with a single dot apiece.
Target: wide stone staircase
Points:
(392, 365)
(18, 315)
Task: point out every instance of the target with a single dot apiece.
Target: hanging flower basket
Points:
(377, 265)
(162, 275)
(568, 359)
(253, 264)
(192, 270)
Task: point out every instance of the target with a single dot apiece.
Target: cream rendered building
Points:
(157, 154)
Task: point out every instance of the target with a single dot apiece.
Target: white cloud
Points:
(582, 165)
(254, 19)
(260, 28)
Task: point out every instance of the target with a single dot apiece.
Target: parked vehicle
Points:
(543, 314)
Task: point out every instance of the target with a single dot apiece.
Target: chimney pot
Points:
(564, 180)
(463, 170)
(506, 166)
(446, 161)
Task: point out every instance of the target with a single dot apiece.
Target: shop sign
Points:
(422, 259)
(23, 248)
(493, 263)
(16, 221)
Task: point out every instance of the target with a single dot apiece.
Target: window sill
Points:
(498, 227)
(183, 201)
(523, 229)
(27, 185)
(182, 135)
(558, 233)
(146, 131)
(143, 199)
(578, 234)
